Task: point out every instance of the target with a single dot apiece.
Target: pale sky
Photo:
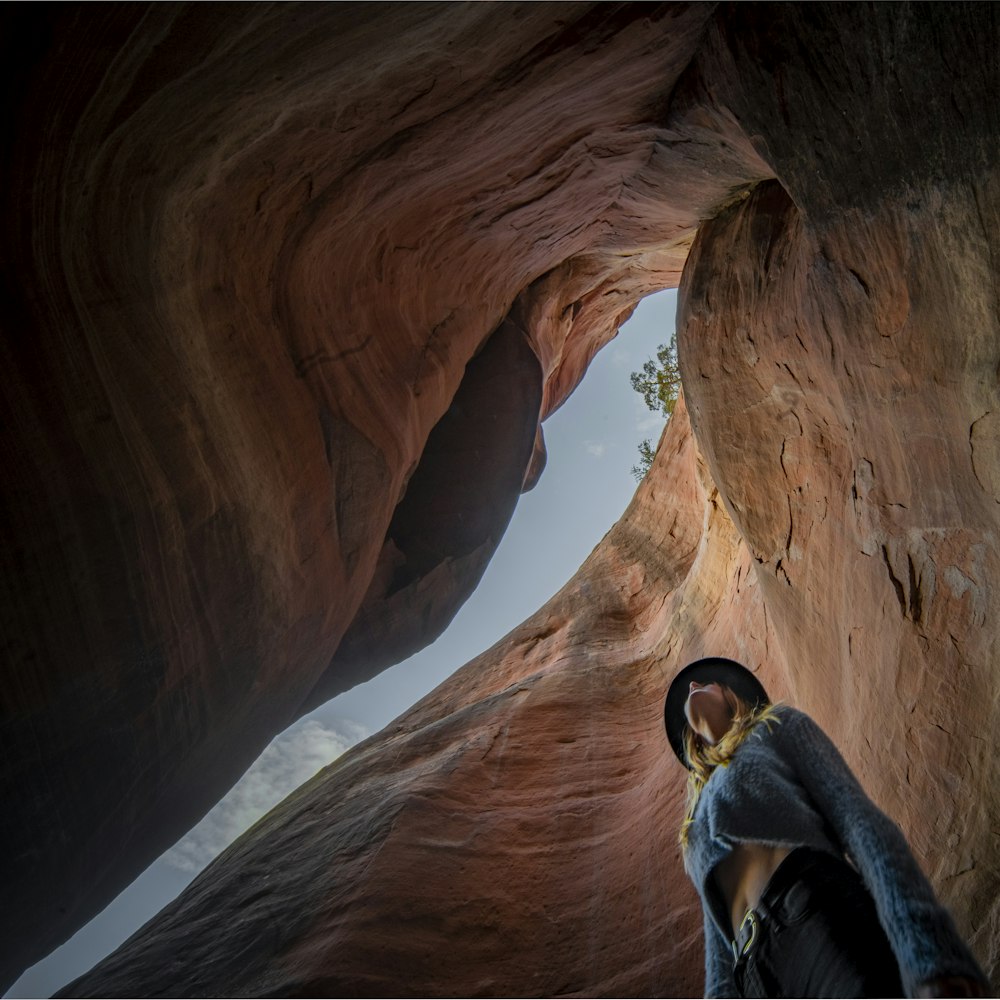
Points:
(592, 443)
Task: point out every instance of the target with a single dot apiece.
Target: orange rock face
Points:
(515, 833)
(253, 257)
(280, 279)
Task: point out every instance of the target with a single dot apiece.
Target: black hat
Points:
(733, 675)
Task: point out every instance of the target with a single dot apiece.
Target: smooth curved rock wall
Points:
(515, 832)
(255, 256)
(251, 251)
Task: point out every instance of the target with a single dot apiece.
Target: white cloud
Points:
(596, 448)
(290, 759)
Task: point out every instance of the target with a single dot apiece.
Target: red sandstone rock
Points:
(847, 441)
(268, 250)
(251, 253)
(514, 833)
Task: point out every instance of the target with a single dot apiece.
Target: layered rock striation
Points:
(278, 277)
(253, 255)
(516, 831)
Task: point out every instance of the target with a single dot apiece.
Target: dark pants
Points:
(818, 935)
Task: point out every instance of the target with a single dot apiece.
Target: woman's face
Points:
(708, 710)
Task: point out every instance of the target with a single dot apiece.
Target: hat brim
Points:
(711, 669)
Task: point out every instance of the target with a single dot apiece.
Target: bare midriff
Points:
(743, 874)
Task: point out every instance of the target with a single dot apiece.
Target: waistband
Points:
(803, 864)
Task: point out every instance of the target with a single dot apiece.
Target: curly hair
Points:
(703, 758)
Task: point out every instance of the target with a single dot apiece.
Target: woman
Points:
(807, 888)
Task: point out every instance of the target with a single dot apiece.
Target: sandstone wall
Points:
(515, 832)
(252, 252)
(256, 254)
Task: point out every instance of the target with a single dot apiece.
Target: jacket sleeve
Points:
(718, 962)
(920, 930)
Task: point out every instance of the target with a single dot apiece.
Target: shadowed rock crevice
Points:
(452, 516)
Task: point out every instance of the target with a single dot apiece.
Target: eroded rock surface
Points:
(227, 374)
(515, 832)
(251, 253)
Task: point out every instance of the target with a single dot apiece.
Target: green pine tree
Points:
(658, 383)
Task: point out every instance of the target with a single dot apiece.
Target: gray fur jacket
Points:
(787, 785)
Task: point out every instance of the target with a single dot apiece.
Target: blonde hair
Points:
(703, 758)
